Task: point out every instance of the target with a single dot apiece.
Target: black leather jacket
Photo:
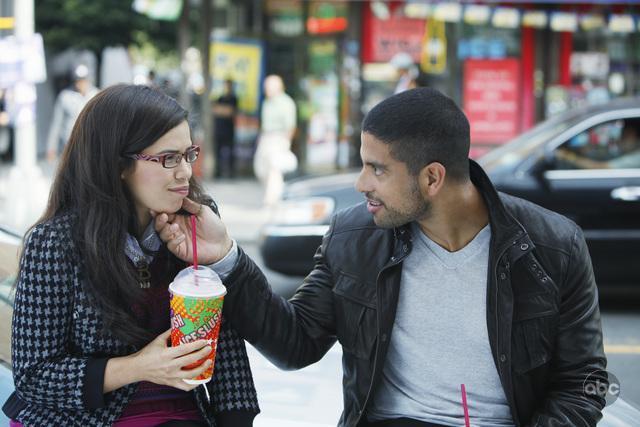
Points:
(542, 309)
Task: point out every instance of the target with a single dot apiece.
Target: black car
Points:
(584, 164)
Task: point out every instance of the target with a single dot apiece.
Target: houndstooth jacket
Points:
(60, 351)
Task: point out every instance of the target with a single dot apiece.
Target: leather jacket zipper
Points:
(514, 414)
(394, 261)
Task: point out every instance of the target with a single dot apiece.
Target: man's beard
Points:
(418, 210)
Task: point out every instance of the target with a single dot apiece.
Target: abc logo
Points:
(602, 384)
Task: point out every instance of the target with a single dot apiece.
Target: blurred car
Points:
(584, 164)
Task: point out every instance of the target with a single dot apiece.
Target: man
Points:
(436, 281)
(225, 109)
(273, 156)
(599, 148)
(67, 109)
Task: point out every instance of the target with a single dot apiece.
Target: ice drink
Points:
(196, 312)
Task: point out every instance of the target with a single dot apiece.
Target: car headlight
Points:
(312, 210)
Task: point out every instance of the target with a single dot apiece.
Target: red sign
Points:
(492, 99)
(383, 38)
(327, 17)
(326, 25)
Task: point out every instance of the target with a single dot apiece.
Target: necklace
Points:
(144, 276)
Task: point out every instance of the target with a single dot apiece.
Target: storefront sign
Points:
(285, 17)
(7, 22)
(590, 64)
(506, 17)
(385, 38)
(240, 61)
(534, 19)
(476, 14)
(327, 17)
(448, 12)
(418, 10)
(480, 48)
(322, 128)
(590, 22)
(434, 51)
(564, 21)
(322, 57)
(621, 24)
(491, 94)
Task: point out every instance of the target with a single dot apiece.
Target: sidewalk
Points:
(23, 201)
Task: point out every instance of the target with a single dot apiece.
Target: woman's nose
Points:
(183, 170)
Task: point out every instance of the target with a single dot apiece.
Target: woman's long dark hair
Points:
(122, 119)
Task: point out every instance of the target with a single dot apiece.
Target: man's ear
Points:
(432, 178)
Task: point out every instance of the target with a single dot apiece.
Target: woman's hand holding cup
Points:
(160, 364)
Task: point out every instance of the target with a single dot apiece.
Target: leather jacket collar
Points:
(505, 229)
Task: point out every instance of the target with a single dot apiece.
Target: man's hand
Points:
(211, 234)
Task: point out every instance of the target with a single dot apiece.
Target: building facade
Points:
(509, 66)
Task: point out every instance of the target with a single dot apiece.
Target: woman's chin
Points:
(168, 208)
(175, 207)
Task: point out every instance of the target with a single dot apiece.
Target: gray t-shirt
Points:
(66, 110)
(440, 340)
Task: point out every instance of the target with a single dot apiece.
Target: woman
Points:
(91, 313)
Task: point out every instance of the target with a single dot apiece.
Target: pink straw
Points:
(464, 406)
(194, 245)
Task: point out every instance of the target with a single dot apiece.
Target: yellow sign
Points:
(433, 59)
(6, 22)
(242, 63)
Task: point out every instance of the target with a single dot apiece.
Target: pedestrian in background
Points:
(406, 70)
(437, 280)
(225, 109)
(152, 79)
(69, 103)
(91, 313)
(273, 156)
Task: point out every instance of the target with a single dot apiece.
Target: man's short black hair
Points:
(423, 126)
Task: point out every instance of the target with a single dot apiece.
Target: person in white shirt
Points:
(273, 156)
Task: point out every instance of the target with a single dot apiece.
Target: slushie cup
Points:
(196, 312)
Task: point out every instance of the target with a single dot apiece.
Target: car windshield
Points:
(521, 147)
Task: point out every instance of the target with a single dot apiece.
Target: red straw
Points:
(194, 245)
(464, 406)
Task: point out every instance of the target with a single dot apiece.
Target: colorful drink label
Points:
(193, 319)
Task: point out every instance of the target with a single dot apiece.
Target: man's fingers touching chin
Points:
(191, 206)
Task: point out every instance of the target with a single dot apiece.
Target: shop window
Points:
(604, 65)
(609, 145)
(485, 42)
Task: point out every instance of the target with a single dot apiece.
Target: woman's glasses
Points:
(170, 160)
